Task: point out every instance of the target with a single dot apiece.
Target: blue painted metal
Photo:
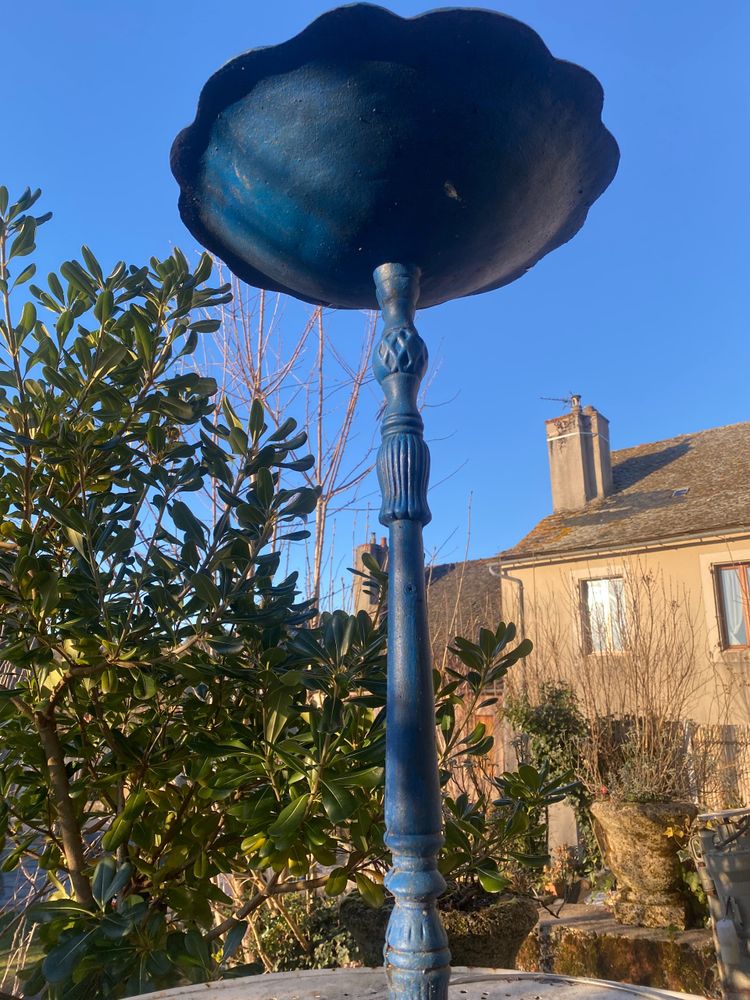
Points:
(417, 958)
(453, 140)
(455, 144)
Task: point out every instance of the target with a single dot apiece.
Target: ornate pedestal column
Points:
(457, 142)
(416, 953)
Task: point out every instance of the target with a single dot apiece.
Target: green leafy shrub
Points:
(319, 941)
(554, 724)
(181, 749)
(132, 626)
(557, 737)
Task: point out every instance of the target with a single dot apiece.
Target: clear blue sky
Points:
(645, 313)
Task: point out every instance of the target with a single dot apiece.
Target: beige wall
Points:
(674, 657)
(543, 600)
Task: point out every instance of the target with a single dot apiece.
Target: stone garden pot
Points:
(489, 936)
(644, 861)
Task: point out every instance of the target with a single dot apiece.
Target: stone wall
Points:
(586, 941)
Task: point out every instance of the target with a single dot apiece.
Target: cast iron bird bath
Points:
(375, 160)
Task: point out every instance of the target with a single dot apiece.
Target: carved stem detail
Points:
(416, 954)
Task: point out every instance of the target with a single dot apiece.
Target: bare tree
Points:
(301, 372)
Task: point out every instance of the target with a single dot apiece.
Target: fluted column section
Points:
(417, 958)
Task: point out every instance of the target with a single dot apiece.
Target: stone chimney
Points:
(579, 458)
(361, 599)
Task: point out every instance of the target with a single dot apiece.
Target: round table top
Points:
(466, 984)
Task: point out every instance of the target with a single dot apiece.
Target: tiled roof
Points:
(713, 466)
(461, 598)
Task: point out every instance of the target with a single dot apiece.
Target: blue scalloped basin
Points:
(453, 141)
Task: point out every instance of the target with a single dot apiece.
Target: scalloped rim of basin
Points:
(237, 78)
(356, 984)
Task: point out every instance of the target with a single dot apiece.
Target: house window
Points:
(603, 608)
(733, 592)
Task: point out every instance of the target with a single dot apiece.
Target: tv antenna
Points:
(572, 401)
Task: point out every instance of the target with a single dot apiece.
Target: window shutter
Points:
(584, 624)
(718, 607)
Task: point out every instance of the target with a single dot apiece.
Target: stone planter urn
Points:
(644, 860)
(488, 936)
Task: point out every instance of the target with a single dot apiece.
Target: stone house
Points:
(635, 589)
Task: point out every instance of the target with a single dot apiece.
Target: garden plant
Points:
(554, 732)
(185, 741)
